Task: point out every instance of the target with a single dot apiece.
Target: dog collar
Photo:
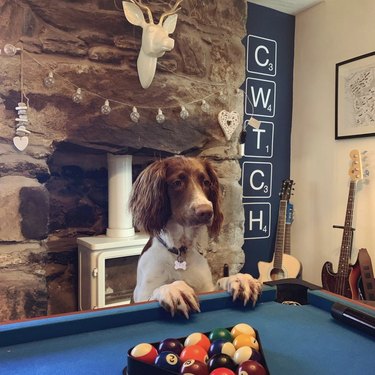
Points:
(180, 263)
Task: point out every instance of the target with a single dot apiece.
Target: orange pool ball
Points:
(246, 340)
(242, 328)
(194, 352)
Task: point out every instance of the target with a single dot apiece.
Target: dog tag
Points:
(180, 265)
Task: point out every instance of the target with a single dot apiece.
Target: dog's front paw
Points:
(242, 286)
(177, 297)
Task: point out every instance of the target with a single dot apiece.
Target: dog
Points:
(175, 200)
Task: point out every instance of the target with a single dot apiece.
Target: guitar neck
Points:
(287, 244)
(280, 236)
(347, 237)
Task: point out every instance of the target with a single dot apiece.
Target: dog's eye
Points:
(206, 183)
(177, 183)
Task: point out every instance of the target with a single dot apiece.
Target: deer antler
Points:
(145, 7)
(172, 11)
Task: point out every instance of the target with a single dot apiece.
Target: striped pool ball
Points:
(198, 338)
(244, 353)
(221, 347)
(242, 328)
(145, 353)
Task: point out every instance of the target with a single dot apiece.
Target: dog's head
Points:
(178, 188)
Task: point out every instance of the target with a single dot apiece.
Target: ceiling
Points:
(287, 6)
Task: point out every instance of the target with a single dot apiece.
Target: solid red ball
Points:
(251, 368)
(222, 371)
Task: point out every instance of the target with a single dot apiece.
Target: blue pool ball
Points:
(170, 345)
(221, 346)
(168, 361)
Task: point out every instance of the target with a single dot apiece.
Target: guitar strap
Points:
(367, 275)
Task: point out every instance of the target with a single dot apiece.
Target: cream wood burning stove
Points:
(107, 264)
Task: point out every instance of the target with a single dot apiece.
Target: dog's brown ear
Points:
(215, 197)
(149, 202)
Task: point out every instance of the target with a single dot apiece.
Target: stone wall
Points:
(55, 190)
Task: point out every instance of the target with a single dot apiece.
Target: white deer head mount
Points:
(155, 39)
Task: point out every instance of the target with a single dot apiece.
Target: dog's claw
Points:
(241, 286)
(177, 297)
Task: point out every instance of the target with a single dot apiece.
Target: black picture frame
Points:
(355, 97)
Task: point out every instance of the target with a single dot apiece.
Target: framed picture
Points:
(355, 97)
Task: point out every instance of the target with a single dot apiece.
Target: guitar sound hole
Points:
(277, 274)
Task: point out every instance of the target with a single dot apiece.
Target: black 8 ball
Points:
(221, 360)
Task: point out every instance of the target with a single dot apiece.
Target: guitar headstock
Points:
(355, 170)
(286, 189)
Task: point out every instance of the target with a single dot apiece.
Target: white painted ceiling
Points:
(287, 6)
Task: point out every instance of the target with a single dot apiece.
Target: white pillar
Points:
(120, 220)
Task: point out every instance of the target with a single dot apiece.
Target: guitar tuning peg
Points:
(364, 152)
(366, 173)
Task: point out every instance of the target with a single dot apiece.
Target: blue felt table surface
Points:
(296, 340)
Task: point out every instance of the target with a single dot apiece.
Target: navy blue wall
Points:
(268, 88)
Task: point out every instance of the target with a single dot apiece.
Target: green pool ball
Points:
(220, 333)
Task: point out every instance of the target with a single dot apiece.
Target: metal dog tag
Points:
(180, 265)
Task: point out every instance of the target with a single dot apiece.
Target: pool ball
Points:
(221, 360)
(194, 367)
(242, 328)
(170, 345)
(220, 333)
(168, 361)
(144, 352)
(246, 340)
(244, 353)
(251, 368)
(194, 352)
(222, 371)
(221, 346)
(198, 338)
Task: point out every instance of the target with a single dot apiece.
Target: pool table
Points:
(300, 338)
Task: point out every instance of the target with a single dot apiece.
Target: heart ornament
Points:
(21, 142)
(228, 122)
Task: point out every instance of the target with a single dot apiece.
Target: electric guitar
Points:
(282, 265)
(344, 282)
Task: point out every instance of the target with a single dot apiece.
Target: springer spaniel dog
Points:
(175, 200)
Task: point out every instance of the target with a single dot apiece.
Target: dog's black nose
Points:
(204, 212)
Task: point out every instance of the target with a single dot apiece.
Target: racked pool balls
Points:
(244, 353)
(170, 345)
(220, 333)
(168, 361)
(198, 338)
(221, 347)
(194, 367)
(194, 352)
(144, 352)
(222, 371)
(242, 328)
(221, 360)
(251, 368)
(246, 340)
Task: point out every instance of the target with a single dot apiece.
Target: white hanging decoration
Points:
(21, 140)
(134, 115)
(222, 97)
(11, 50)
(77, 96)
(49, 81)
(160, 118)
(184, 114)
(205, 107)
(105, 108)
(229, 122)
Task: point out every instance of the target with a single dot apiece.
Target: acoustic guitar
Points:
(282, 265)
(345, 281)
